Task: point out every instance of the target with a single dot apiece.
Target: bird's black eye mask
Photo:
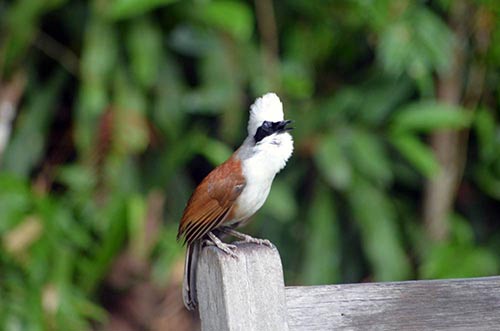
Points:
(268, 128)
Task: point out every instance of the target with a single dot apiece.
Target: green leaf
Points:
(136, 217)
(322, 253)
(15, 200)
(417, 42)
(20, 20)
(215, 151)
(379, 96)
(122, 9)
(297, 79)
(333, 163)
(131, 130)
(77, 177)
(369, 156)
(98, 62)
(377, 223)
(281, 203)
(488, 180)
(485, 127)
(28, 140)
(417, 153)
(144, 41)
(111, 237)
(427, 116)
(169, 254)
(454, 260)
(233, 17)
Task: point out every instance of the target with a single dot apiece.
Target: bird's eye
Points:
(263, 131)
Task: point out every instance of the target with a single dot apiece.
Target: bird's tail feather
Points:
(189, 295)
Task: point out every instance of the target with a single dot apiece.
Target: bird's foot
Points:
(229, 249)
(246, 238)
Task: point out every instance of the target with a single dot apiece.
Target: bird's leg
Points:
(246, 237)
(226, 248)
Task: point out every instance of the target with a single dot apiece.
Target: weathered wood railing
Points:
(248, 293)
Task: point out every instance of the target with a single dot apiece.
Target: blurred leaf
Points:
(429, 116)
(418, 42)
(144, 43)
(309, 44)
(322, 254)
(375, 217)
(215, 151)
(169, 251)
(20, 28)
(15, 201)
(453, 260)
(488, 180)
(418, 154)
(369, 156)
(281, 203)
(20, 238)
(99, 56)
(460, 257)
(461, 231)
(332, 162)
(234, 17)
(112, 235)
(484, 124)
(167, 114)
(297, 80)
(28, 141)
(136, 212)
(121, 9)
(77, 177)
(379, 96)
(191, 40)
(130, 130)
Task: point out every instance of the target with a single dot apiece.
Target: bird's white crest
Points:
(266, 108)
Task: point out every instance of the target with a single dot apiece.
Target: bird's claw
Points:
(229, 249)
(245, 238)
(258, 241)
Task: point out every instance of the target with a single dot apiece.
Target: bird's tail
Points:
(189, 283)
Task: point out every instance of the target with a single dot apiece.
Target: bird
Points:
(235, 190)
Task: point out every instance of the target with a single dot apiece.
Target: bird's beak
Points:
(282, 126)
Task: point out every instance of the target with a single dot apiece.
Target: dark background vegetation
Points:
(112, 111)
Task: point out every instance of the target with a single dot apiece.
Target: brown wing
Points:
(212, 201)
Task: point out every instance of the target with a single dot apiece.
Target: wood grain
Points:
(247, 293)
(460, 304)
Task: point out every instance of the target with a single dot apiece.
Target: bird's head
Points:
(268, 130)
(266, 118)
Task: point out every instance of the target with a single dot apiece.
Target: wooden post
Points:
(247, 293)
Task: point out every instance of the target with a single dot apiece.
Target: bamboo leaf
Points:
(418, 154)
(426, 116)
(122, 9)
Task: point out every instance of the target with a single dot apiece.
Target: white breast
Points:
(260, 164)
(255, 192)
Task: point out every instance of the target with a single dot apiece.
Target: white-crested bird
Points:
(230, 194)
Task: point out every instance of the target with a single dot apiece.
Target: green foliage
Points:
(459, 257)
(103, 154)
(322, 256)
(122, 9)
(429, 116)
